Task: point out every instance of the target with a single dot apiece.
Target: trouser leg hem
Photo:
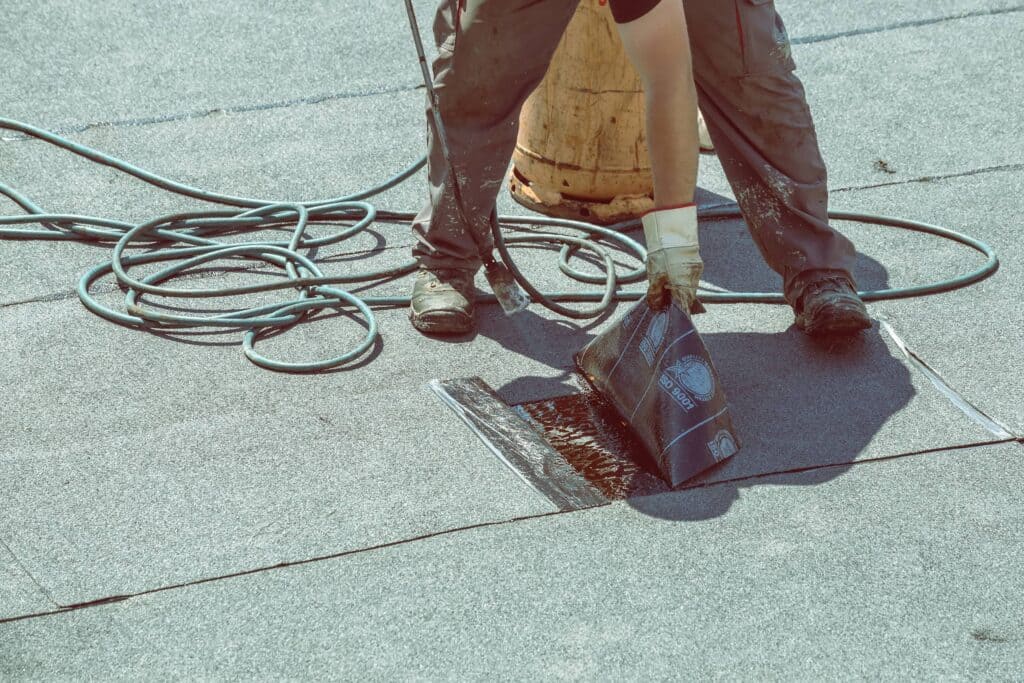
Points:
(444, 262)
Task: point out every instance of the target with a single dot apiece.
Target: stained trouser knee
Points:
(490, 58)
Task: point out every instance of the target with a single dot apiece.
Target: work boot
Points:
(830, 306)
(442, 301)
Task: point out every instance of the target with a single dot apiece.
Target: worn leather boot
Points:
(830, 306)
(442, 301)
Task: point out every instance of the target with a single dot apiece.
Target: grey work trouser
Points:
(754, 105)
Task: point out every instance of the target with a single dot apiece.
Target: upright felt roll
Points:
(652, 366)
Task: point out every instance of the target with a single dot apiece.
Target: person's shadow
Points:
(804, 410)
(799, 408)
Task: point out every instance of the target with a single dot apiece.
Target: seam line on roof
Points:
(915, 23)
(64, 295)
(110, 287)
(320, 99)
(881, 458)
(26, 572)
(933, 178)
(283, 565)
(239, 109)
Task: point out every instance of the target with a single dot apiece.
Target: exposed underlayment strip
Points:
(974, 413)
(517, 445)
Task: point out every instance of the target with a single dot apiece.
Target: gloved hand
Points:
(674, 265)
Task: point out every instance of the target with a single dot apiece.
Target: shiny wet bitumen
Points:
(590, 435)
(575, 451)
(521, 448)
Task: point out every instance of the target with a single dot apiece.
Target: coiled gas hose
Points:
(185, 241)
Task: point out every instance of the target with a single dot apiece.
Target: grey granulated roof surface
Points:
(170, 510)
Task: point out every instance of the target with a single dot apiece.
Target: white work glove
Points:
(673, 258)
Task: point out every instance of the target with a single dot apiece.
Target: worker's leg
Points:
(761, 125)
(654, 36)
(650, 31)
(490, 58)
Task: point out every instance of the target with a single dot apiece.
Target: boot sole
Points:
(442, 322)
(836, 320)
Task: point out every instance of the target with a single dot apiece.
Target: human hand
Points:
(674, 265)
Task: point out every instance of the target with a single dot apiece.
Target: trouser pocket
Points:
(763, 38)
(446, 24)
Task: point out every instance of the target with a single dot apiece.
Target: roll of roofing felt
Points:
(654, 368)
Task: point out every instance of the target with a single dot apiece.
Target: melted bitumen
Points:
(588, 432)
